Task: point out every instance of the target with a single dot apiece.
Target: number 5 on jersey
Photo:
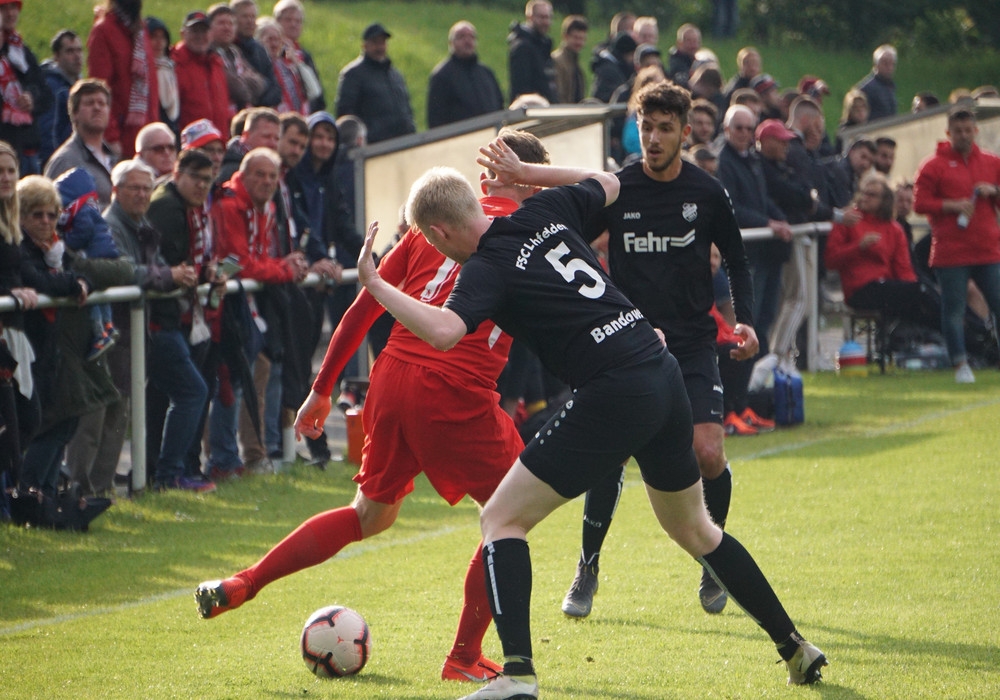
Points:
(569, 270)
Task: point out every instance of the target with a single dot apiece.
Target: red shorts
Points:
(421, 420)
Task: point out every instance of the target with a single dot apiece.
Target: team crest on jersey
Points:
(689, 211)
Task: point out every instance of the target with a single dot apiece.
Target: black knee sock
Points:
(508, 585)
(735, 569)
(598, 509)
(718, 494)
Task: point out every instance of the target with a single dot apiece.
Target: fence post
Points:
(137, 314)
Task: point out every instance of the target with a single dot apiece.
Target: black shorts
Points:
(640, 410)
(700, 367)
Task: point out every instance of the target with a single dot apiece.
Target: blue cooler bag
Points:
(788, 404)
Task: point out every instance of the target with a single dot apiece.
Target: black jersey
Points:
(659, 247)
(536, 278)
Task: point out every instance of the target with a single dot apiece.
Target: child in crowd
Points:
(84, 231)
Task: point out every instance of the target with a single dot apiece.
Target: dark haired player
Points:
(662, 228)
(532, 274)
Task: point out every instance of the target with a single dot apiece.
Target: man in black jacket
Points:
(371, 88)
(529, 58)
(742, 173)
(460, 86)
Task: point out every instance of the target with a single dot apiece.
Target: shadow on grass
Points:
(158, 543)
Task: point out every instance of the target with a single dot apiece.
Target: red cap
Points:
(775, 129)
(813, 86)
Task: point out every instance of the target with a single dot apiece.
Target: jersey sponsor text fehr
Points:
(651, 243)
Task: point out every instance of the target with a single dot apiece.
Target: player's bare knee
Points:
(374, 517)
(697, 538)
(711, 458)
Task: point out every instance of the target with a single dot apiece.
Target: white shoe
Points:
(804, 668)
(964, 375)
(507, 688)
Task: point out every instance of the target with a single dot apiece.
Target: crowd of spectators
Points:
(250, 178)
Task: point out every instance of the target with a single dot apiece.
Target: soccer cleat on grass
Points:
(480, 671)
(507, 688)
(750, 417)
(580, 597)
(804, 668)
(216, 597)
(712, 596)
(734, 425)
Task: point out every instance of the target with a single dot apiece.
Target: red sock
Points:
(311, 543)
(476, 617)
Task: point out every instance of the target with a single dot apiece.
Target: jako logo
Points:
(631, 216)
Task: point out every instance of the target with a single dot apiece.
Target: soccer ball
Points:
(336, 642)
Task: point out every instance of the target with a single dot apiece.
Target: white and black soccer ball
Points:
(336, 642)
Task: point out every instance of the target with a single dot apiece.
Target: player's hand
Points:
(366, 261)
(659, 334)
(311, 416)
(498, 157)
(749, 346)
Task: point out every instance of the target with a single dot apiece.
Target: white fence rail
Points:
(805, 235)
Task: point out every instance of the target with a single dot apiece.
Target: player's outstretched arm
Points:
(441, 328)
(509, 170)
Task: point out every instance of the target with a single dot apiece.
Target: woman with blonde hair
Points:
(68, 386)
(18, 413)
(855, 113)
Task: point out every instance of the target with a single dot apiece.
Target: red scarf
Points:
(69, 213)
(13, 59)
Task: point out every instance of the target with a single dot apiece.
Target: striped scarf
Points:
(138, 96)
(293, 95)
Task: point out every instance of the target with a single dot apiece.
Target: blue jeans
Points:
(171, 370)
(766, 276)
(223, 421)
(954, 283)
(272, 411)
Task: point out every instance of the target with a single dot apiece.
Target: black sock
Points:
(598, 509)
(735, 569)
(718, 494)
(508, 585)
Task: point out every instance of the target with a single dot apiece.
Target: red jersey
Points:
(420, 271)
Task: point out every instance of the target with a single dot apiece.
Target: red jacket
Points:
(888, 259)
(109, 57)
(201, 86)
(947, 175)
(246, 232)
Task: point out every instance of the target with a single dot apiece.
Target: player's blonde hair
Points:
(441, 196)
